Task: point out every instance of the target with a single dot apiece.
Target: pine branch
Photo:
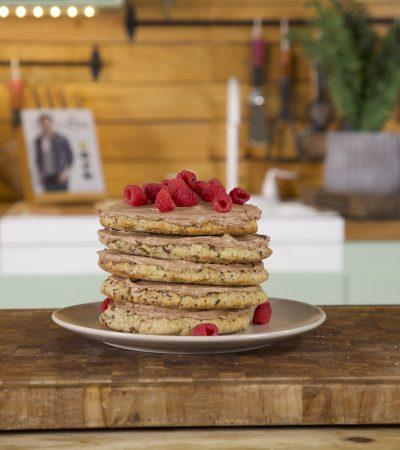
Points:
(362, 70)
(357, 20)
(383, 82)
(344, 79)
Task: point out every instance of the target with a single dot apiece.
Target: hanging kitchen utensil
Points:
(130, 20)
(36, 97)
(320, 111)
(16, 93)
(311, 141)
(50, 98)
(62, 97)
(257, 119)
(283, 144)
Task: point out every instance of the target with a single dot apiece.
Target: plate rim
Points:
(194, 339)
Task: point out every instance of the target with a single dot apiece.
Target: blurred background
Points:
(299, 105)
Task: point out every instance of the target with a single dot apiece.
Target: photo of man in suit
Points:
(53, 156)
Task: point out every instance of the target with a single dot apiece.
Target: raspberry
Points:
(104, 304)
(199, 186)
(215, 181)
(164, 201)
(151, 190)
(174, 185)
(211, 190)
(205, 329)
(262, 313)
(134, 195)
(222, 203)
(186, 197)
(239, 196)
(188, 177)
(165, 183)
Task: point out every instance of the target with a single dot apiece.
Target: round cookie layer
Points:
(224, 249)
(194, 221)
(141, 268)
(145, 319)
(182, 296)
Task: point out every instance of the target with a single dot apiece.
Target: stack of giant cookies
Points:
(191, 270)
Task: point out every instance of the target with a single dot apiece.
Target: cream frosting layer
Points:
(169, 313)
(192, 290)
(248, 241)
(193, 216)
(175, 265)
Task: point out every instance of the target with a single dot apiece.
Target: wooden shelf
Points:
(370, 230)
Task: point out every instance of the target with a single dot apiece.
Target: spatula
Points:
(257, 120)
(283, 145)
(16, 92)
(311, 141)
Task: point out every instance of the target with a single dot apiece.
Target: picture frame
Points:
(60, 156)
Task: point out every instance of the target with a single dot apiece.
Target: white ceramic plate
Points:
(289, 318)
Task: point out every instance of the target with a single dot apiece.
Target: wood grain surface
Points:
(362, 230)
(161, 99)
(346, 372)
(282, 438)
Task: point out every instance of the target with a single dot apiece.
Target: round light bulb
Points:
(20, 11)
(72, 11)
(55, 11)
(37, 11)
(89, 11)
(4, 11)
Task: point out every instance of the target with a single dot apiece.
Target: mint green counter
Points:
(370, 275)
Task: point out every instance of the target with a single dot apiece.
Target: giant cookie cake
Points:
(183, 259)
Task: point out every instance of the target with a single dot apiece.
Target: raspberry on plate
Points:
(134, 195)
(222, 203)
(262, 314)
(186, 197)
(104, 304)
(151, 190)
(205, 329)
(164, 201)
(188, 177)
(239, 196)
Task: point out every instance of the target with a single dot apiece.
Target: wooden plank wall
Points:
(160, 101)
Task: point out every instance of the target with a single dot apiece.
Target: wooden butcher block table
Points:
(345, 372)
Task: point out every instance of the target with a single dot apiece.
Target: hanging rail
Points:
(235, 23)
(94, 63)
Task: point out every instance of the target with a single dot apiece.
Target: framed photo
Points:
(61, 156)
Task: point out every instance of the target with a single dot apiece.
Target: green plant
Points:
(361, 66)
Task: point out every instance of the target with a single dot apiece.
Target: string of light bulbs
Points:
(39, 11)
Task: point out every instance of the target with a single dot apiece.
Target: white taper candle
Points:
(232, 133)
